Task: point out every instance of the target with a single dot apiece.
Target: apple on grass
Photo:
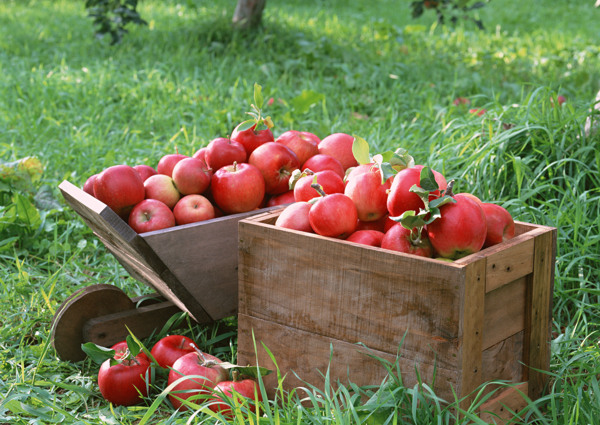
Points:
(237, 392)
(339, 146)
(276, 162)
(192, 209)
(167, 162)
(150, 215)
(191, 176)
(162, 188)
(120, 187)
(169, 348)
(238, 188)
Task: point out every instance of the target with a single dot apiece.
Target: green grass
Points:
(365, 68)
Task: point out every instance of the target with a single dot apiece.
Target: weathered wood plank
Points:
(498, 410)
(504, 312)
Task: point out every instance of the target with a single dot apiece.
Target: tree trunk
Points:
(248, 13)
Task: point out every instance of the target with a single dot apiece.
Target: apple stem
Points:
(234, 166)
(318, 188)
(415, 236)
(235, 375)
(448, 191)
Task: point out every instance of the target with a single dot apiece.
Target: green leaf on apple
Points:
(360, 149)
(258, 97)
(427, 180)
(400, 159)
(387, 171)
(245, 125)
(410, 219)
(438, 202)
(97, 353)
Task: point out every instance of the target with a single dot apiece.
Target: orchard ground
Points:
(365, 68)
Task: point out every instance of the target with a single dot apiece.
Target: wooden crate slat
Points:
(506, 301)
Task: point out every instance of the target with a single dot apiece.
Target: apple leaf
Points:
(434, 213)
(438, 202)
(97, 353)
(427, 180)
(400, 159)
(245, 125)
(250, 371)
(258, 97)
(132, 345)
(360, 149)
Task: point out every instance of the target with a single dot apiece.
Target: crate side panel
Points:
(504, 312)
(503, 361)
(304, 357)
(350, 292)
(509, 264)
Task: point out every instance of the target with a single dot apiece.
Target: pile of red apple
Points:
(394, 205)
(194, 378)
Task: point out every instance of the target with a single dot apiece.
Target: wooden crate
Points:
(193, 265)
(484, 317)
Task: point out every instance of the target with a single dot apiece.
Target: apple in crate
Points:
(295, 216)
(193, 208)
(167, 162)
(367, 237)
(369, 194)
(303, 143)
(276, 162)
(145, 171)
(150, 215)
(401, 199)
(320, 162)
(191, 176)
(329, 181)
(281, 199)
(88, 186)
(339, 146)
(120, 187)
(238, 188)
(162, 188)
(221, 152)
(399, 238)
(500, 224)
(333, 215)
(461, 230)
(250, 138)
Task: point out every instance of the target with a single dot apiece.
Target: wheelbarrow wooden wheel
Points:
(73, 314)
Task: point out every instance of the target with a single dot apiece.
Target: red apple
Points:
(120, 187)
(399, 238)
(374, 225)
(237, 392)
(339, 146)
(401, 199)
(251, 139)
(150, 215)
(145, 171)
(191, 176)
(366, 237)
(333, 215)
(461, 230)
(322, 162)
(276, 162)
(238, 188)
(470, 195)
(222, 151)
(355, 171)
(169, 348)
(329, 180)
(125, 383)
(295, 216)
(303, 143)
(201, 154)
(167, 163)
(369, 194)
(162, 188)
(281, 199)
(500, 224)
(88, 186)
(195, 375)
(192, 209)
(122, 350)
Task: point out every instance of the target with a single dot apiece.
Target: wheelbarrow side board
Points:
(194, 265)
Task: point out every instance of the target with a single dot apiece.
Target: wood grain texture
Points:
(504, 312)
(503, 361)
(304, 358)
(499, 409)
(350, 292)
(538, 321)
(472, 307)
